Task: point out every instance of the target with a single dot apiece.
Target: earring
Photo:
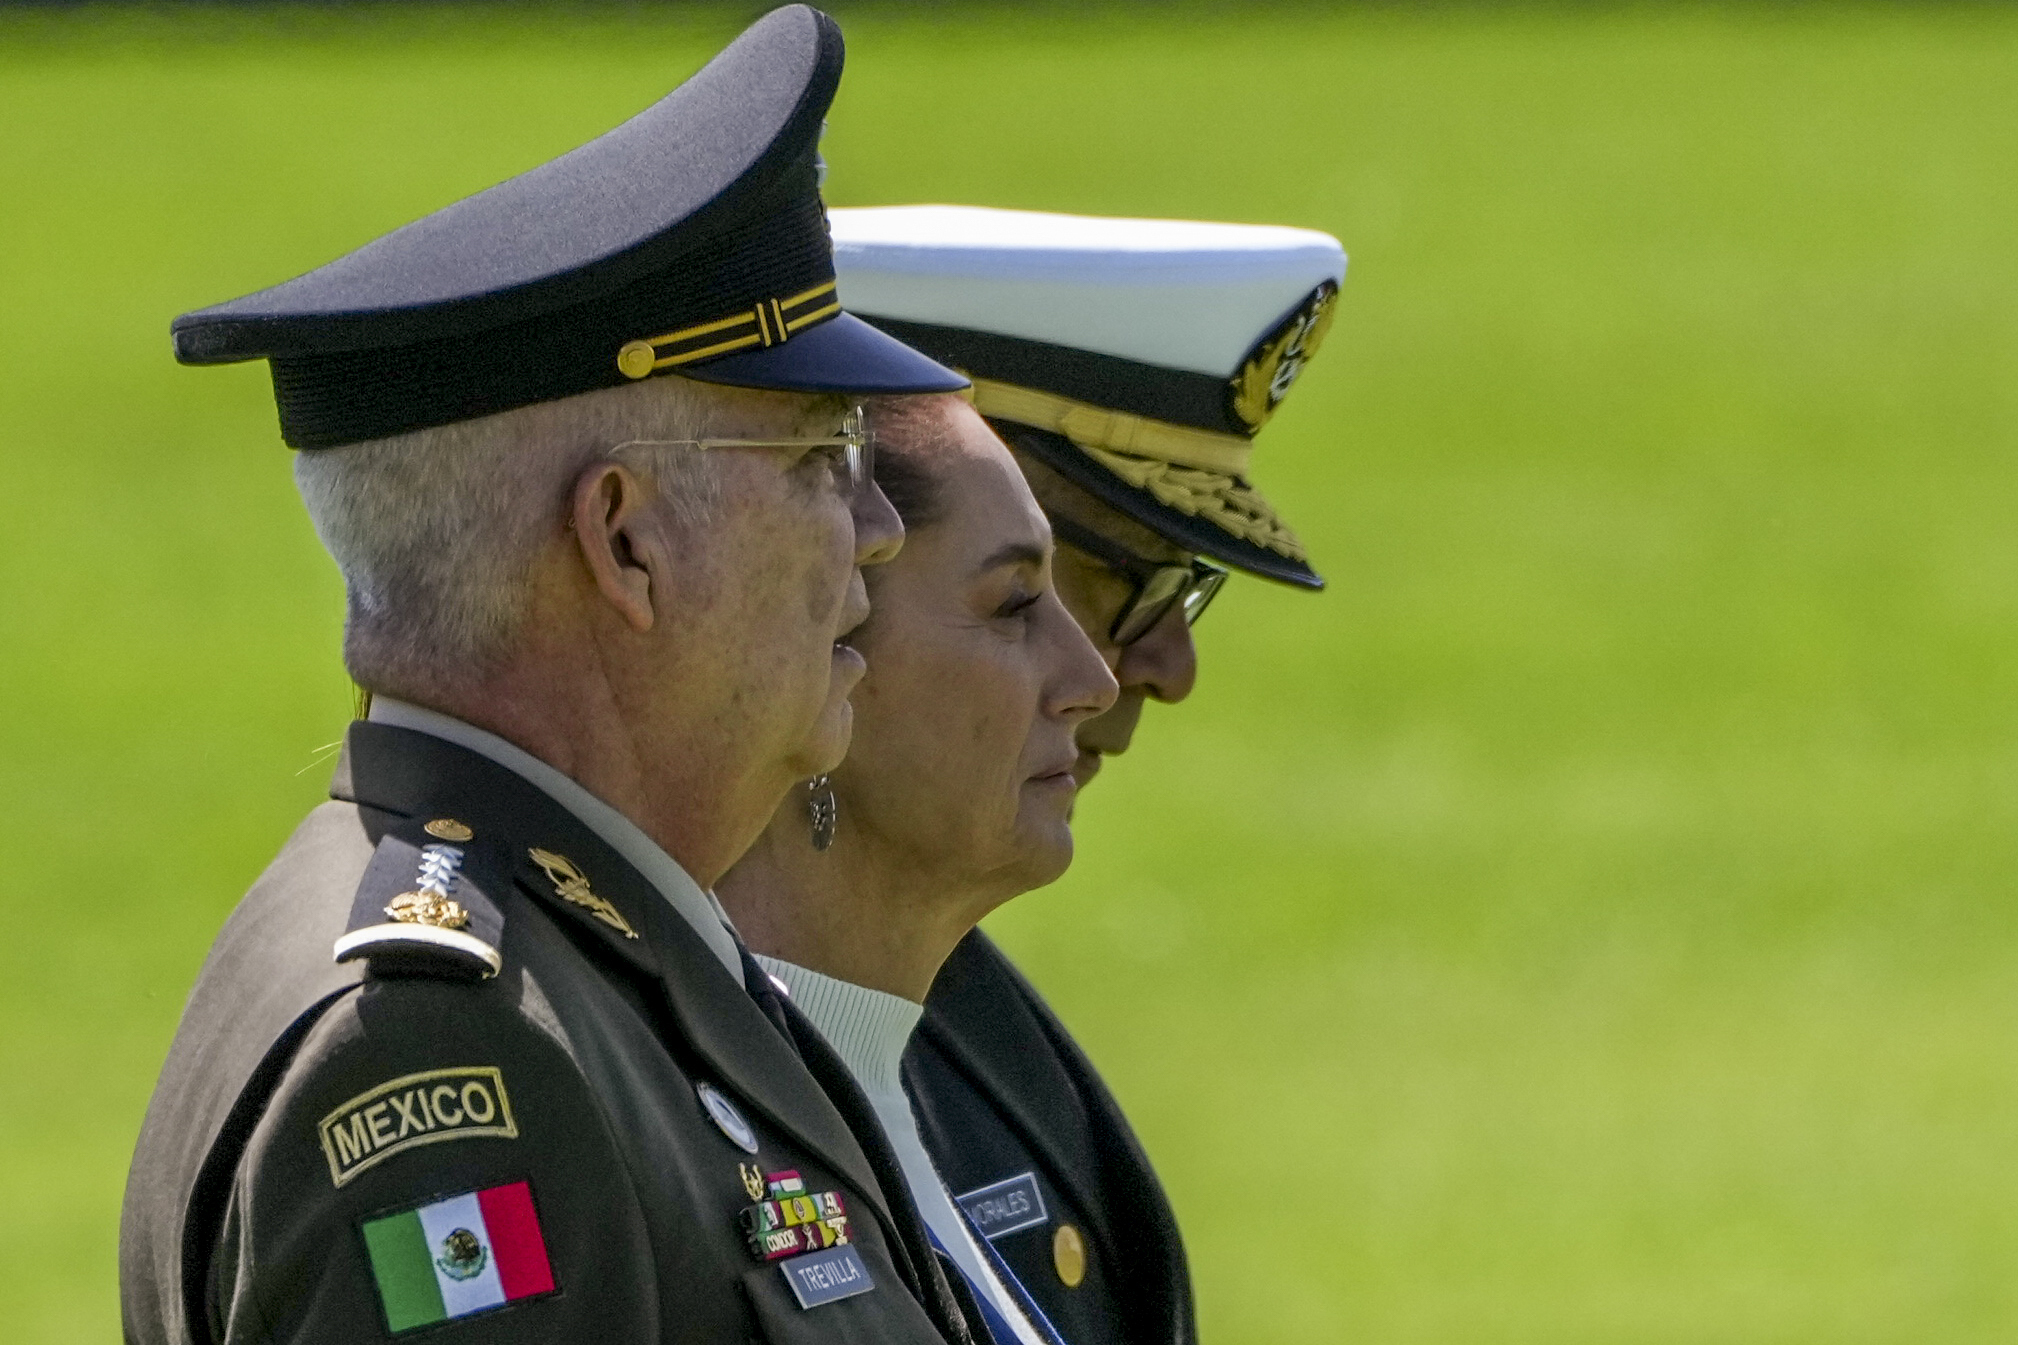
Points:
(821, 810)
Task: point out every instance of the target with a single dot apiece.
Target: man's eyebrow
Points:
(1015, 553)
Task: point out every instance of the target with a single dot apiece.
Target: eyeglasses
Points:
(851, 454)
(1159, 586)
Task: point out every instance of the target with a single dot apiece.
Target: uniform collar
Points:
(697, 907)
(611, 906)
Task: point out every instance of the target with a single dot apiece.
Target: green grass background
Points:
(1591, 920)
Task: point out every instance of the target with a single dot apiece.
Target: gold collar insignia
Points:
(572, 885)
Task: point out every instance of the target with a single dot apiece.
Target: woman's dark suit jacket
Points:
(1003, 1093)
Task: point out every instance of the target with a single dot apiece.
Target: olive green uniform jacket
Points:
(305, 1099)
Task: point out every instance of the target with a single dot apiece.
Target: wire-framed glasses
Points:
(1158, 585)
(851, 454)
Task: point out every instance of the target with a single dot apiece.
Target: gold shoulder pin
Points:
(430, 903)
(428, 908)
(572, 885)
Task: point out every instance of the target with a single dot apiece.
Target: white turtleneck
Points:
(869, 1030)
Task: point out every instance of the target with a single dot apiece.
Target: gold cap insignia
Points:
(572, 885)
(1265, 376)
(448, 829)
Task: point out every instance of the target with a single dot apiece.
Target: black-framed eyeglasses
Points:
(1159, 585)
(851, 453)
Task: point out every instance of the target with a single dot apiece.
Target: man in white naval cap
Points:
(1129, 364)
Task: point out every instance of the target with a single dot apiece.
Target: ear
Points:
(622, 541)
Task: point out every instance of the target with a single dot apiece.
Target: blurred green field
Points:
(1590, 921)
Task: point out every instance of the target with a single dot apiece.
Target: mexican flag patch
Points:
(457, 1256)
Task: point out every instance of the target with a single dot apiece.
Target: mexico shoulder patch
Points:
(467, 1102)
(461, 1255)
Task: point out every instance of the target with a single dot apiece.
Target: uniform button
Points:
(1068, 1255)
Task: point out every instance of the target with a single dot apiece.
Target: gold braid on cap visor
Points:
(1195, 472)
(768, 323)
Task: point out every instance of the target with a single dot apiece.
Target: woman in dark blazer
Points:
(1129, 365)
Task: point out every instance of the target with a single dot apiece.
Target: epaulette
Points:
(423, 907)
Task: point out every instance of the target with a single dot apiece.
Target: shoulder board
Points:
(424, 906)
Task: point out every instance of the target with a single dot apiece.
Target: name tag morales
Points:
(439, 1104)
(1007, 1206)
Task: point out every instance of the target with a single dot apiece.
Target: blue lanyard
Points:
(998, 1327)
(1049, 1333)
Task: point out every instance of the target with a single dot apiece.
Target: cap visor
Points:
(1194, 534)
(842, 354)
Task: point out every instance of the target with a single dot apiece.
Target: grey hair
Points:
(437, 531)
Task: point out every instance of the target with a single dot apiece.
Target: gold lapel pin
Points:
(572, 885)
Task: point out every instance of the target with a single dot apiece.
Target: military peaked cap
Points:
(690, 240)
(1142, 356)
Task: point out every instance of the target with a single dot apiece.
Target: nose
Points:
(1081, 686)
(879, 533)
(1163, 664)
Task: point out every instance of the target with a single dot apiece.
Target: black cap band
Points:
(1177, 396)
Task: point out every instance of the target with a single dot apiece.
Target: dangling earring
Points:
(821, 810)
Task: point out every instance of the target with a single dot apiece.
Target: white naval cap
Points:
(1145, 353)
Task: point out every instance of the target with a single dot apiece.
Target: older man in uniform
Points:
(477, 1056)
(1129, 364)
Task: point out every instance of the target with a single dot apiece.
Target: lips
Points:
(1109, 734)
(848, 664)
(853, 614)
(1062, 770)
